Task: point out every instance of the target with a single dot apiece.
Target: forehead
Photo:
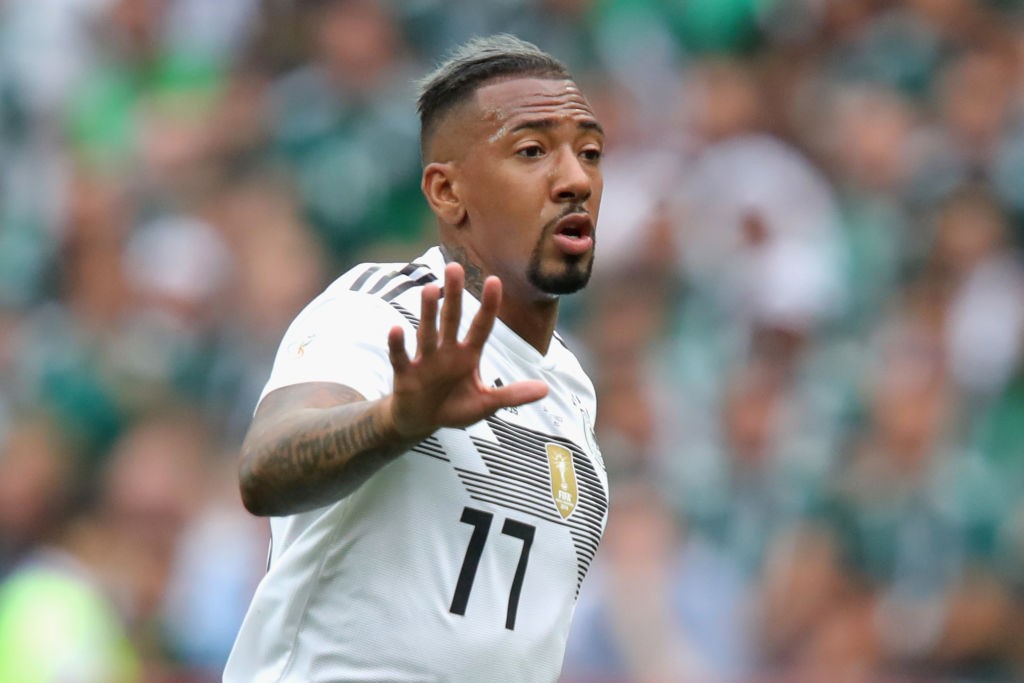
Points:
(515, 100)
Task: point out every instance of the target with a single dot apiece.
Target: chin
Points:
(571, 278)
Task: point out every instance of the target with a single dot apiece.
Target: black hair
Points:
(470, 66)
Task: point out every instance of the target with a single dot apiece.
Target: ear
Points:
(440, 188)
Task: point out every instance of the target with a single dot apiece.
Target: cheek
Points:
(595, 197)
(490, 192)
(507, 201)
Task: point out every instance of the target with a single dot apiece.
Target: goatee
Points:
(572, 278)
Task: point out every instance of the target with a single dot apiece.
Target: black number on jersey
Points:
(481, 522)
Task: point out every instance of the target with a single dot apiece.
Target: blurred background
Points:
(806, 326)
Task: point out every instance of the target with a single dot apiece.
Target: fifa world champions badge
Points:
(563, 479)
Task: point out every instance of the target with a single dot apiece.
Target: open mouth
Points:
(574, 233)
(575, 225)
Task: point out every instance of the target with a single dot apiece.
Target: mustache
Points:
(568, 211)
(571, 209)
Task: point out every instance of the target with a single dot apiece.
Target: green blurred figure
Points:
(58, 621)
(57, 626)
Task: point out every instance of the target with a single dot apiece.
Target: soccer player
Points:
(425, 445)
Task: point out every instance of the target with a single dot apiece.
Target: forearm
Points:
(312, 457)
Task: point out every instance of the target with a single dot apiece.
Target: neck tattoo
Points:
(474, 274)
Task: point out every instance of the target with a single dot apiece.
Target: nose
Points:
(572, 181)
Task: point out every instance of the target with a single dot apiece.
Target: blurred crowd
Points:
(806, 324)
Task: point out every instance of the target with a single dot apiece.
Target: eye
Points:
(591, 154)
(531, 151)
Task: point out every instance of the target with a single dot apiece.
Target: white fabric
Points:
(362, 590)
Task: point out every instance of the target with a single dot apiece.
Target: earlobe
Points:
(440, 189)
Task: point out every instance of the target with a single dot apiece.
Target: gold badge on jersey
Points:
(563, 478)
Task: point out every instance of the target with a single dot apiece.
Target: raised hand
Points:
(441, 386)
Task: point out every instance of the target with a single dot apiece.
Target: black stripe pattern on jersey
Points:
(393, 284)
(431, 447)
(363, 277)
(518, 478)
(406, 313)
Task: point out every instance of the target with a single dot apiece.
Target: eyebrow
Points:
(548, 123)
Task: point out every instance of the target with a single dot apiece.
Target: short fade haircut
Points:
(474, 64)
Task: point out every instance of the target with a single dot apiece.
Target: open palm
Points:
(441, 385)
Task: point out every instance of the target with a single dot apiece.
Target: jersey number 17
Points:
(481, 523)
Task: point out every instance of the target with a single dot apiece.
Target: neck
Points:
(475, 274)
(534, 321)
(530, 317)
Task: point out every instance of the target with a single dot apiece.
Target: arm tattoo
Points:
(311, 457)
(474, 274)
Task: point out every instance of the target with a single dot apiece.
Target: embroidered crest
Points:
(563, 479)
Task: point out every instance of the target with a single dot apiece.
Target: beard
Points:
(571, 277)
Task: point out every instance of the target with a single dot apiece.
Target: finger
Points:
(483, 321)
(451, 310)
(396, 350)
(518, 393)
(426, 335)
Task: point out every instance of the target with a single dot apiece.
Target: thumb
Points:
(518, 393)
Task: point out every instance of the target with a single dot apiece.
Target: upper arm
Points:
(334, 355)
(285, 400)
(291, 401)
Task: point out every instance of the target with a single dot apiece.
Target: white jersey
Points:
(462, 559)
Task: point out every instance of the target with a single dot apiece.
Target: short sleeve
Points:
(342, 338)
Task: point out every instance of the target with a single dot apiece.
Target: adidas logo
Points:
(510, 409)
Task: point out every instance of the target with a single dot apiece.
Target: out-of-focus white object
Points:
(177, 258)
(759, 226)
(985, 327)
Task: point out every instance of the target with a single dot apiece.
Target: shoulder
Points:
(386, 281)
(341, 335)
(372, 291)
(394, 285)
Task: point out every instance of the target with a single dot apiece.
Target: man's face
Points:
(531, 185)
